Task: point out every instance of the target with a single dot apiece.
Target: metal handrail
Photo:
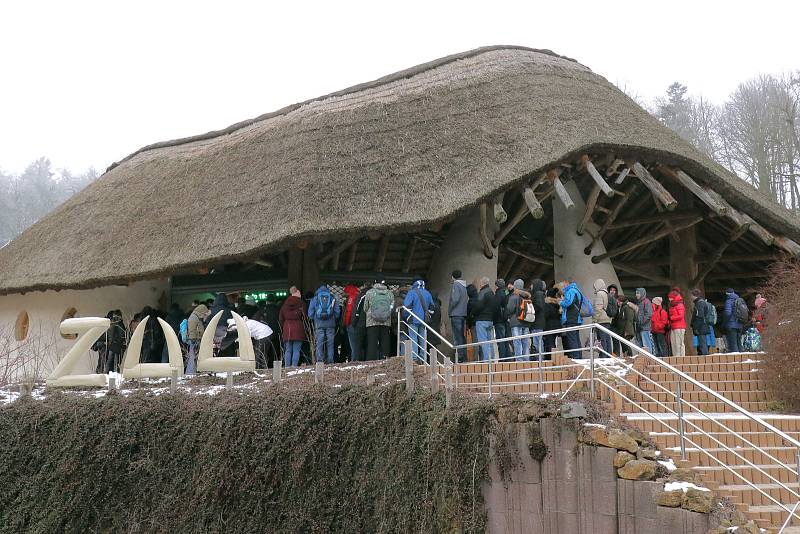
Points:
(789, 518)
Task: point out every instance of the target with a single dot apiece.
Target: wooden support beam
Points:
(788, 245)
(759, 231)
(532, 203)
(335, 262)
(521, 213)
(645, 240)
(412, 245)
(531, 257)
(645, 273)
(351, 258)
(738, 276)
(561, 193)
(591, 203)
(612, 169)
(697, 190)
(731, 213)
(717, 255)
(729, 258)
(598, 179)
(622, 175)
(658, 190)
(483, 230)
(626, 195)
(344, 245)
(383, 248)
(675, 216)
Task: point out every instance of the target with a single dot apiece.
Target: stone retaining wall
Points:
(575, 489)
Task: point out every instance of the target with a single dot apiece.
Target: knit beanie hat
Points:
(519, 284)
(500, 283)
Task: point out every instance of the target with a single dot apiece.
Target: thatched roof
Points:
(396, 154)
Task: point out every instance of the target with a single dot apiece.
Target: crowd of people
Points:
(481, 313)
(362, 324)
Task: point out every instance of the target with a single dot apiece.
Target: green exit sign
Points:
(262, 295)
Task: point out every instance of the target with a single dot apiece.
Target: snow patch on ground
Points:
(594, 425)
(672, 486)
(668, 464)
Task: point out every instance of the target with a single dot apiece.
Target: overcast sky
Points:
(87, 83)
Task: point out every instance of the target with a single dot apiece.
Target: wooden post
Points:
(276, 371)
(658, 190)
(535, 259)
(229, 380)
(337, 249)
(319, 373)
(412, 245)
(409, 368)
(644, 273)
(351, 256)
(173, 383)
(112, 383)
(683, 263)
(448, 382)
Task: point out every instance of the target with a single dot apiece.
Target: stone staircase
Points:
(734, 377)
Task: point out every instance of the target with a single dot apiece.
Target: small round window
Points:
(22, 325)
(69, 314)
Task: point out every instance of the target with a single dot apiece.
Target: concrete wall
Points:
(44, 346)
(575, 489)
(461, 249)
(569, 260)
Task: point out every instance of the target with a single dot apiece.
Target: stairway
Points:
(735, 377)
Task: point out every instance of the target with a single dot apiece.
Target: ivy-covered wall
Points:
(351, 459)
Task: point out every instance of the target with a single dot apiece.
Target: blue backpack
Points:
(184, 330)
(586, 307)
(324, 310)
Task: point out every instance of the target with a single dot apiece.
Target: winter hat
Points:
(642, 292)
(657, 301)
(500, 283)
(760, 301)
(519, 284)
(729, 290)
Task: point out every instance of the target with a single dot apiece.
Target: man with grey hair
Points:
(484, 318)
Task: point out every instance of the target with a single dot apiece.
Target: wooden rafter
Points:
(484, 231)
(598, 179)
(412, 245)
(728, 258)
(655, 187)
(591, 203)
(675, 216)
(351, 258)
(644, 273)
(689, 183)
(344, 245)
(383, 248)
(562, 194)
(714, 258)
(625, 196)
(788, 245)
(531, 257)
(644, 240)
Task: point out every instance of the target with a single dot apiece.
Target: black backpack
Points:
(740, 310)
(612, 309)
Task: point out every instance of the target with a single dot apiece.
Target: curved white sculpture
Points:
(132, 368)
(246, 361)
(89, 329)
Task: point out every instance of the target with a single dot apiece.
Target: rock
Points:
(682, 474)
(696, 500)
(595, 435)
(622, 458)
(646, 454)
(719, 530)
(622, 441)
(572, 410)
(671, 499)
(750, 528)
(638, 470)
(638, 435)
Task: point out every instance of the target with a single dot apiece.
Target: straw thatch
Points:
(392, 155)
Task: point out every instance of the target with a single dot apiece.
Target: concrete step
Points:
(753, 497)
(675, 361)
(720, 386)
(762, 439)
(715, 457)
(706, 407)
(725, 475)
(734, 421)
(738, 397)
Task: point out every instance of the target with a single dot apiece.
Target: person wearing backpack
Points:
(736, 313)
(420, 302)
(602, 314)
(324, 312)
(521, 315)
(572, 305)
(291, 318)
(701, 320)
(194, 334)
(378, 306)
(677, 322)
(358, 321)
(538, 295)
(351, 295)
(644, 319)
(552, 320)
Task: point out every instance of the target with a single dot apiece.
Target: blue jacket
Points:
(413, 302)
(730, 318)
(571, 305)
(330, 322)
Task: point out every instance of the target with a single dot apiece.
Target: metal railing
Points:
(620, 378)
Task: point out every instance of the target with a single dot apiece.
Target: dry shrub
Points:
(780, 368)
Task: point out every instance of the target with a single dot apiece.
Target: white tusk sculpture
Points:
(132, 368)
(89, 329)
(246, 361)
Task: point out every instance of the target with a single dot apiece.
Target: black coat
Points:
(485, 305)
(699, 325)
(472, 304)
(537, 297)
(500, 301)
(436, 321)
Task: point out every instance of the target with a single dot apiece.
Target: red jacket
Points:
(660, 320)
(352, 297)
(677, 311)
(291, 319)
